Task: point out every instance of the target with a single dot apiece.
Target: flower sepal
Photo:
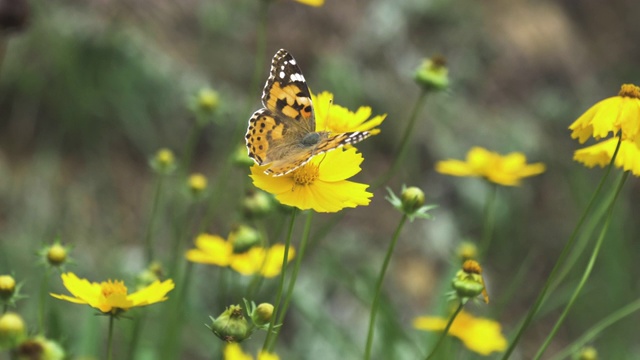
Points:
(411, 203)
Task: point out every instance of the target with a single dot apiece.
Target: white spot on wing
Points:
(297, 77)
(281, 74)
(292, 61)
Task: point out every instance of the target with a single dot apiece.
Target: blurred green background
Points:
(90, 90)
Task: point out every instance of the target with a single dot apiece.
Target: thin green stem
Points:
(445, 331)
(271, 332)
(597, 329)
(404, 142)
(148, 238)
(138, 323)
(587, 272)
(174, 325)
(190, 146)
(489, 219)
(44, 285)
(561, 259)
(294, 275)
(110, 337)
(376, 296)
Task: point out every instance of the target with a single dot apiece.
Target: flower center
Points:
(113, 287)
(629, 90)
(306, 175)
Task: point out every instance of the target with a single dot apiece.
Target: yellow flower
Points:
(618, 113)
(316, 3)
(111, 296)
(481, 335)
(505, 170)
(628, 157)
(233, 351)
(214, 250)
(335, 118)
(320, 185)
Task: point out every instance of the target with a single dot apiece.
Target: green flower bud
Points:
(7, 287)
(433, 74)
(164, 162)
(12, 330)
(587, 353)
(231, 325)
(40, 348)
(57, 254)
(412, 199)
(261, 316)
(467, 251)
(468, 282)
(257, 204)
(244, 238)
(197, 184)
(208, 100)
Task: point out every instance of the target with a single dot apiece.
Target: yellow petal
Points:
(339, 165)
(233, 351)
(153, 293)
(315, 3)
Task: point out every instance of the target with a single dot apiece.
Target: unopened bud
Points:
(231, 325)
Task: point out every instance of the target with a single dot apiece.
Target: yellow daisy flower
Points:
(233, 351)
(481, 335)
(628, 157)
(214, 250)
(618, 113)
(338, 119)
(321, 184)
(316, 3)
(505, 170)
(111, 296)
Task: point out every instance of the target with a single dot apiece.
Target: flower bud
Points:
(40, 348)
(154, 272)
(587, 353)
(412, 199)
(197, 184)
(12, 330)
(164, 161)
(244, 238)
(467, 251)
(57, 254)
(261, 316)
(7, 287)
(257, 204)
(231, 325)
(433, 74)
(208, 100)
(241, 158)
(468, 282)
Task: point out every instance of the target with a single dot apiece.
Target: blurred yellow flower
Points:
(481, 335)
(233, 351)
(315, 3)
(335, 118)
(320, 184)
(214, 250)
(628, 157)
(505, 170)
(111, 296)
(618, 113)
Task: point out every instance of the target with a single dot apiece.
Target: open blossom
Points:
(505, 170)
(338, 119)
(601, 153)
(320, 185)
(111, 296)
(484, 336)
(616, 114)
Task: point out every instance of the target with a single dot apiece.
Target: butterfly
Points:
(283, 134)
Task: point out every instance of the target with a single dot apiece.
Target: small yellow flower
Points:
(57, 254)
(315, 3)
(321, 184)
(111, 296)
(164, 161)
(467, 251)
(214, 250)
(233, 351)
(628, 157)
(505, 170)
(618, 113)
(197, 183)
(481, 335)
(338, 119)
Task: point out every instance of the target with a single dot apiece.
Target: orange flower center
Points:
(113, 287)
(629, 90)
(306, 175)
(471, 267)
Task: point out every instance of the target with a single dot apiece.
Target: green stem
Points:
(190, 146)
(404, 142)
(44, 285)
(294, 276)
(489, 219)
(174, 326)
(271, 332)
(135, 336)
(154, 211)
(561, 259)
(376, 296)
(445, 331)
(587, 272)
(597, 329)
(110, 337)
